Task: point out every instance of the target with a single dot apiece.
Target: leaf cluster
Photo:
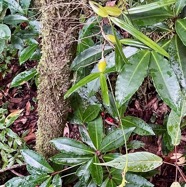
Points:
(10, 142)
(19, 31)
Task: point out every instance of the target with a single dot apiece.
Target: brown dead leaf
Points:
(31, 136)
(15, 100)
(181, 161)
(28, 107)
(176, 156)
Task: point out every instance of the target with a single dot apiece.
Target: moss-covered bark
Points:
(59, 30)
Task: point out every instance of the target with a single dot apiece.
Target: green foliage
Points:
(23, 77)
(10, 142)
(162, 59)
(112, 73)
(18, 33)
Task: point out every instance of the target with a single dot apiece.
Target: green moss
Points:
(58, 47)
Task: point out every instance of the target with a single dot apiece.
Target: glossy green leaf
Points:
(177, 53)
(132, 42)
(132, 76)
(137, 162)
(56, 181)
(173, 127)
(85, 136)
(23, 77)
(15, 19)
(69, 159)
(139, 35)
(27, 53)
(173, 124)
(96, 171)
(17, 42)
(46, 183)
(14, 6)
(181, 29)
(165, 81)
(134, 180)
(115, 139)
(151, 17)
(68, 145)
(83, 172)
(175, 184)
(37, 161)
(89, 56)
(179, 5)
(95, 129)
(91, 113)
(31, 181)
(5, 32)
(104, 89)
(150, 6)
(81, 83)
(141, 127)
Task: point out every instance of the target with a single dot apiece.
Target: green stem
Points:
(126, 149)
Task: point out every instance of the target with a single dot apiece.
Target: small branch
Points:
(12, 167)
(16, 173)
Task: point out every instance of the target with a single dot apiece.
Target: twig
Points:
(12, 167)
(16, 173)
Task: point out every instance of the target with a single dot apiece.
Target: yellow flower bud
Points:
(111, 38)
(102, 65)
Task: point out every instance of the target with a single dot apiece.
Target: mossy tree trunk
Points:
(59, 21)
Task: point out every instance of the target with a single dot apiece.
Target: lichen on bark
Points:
(59, 20)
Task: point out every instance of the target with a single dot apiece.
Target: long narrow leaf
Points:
(104, 89)
(81, 83)
(120, 58)
(151, 17)
(139, 35)
(150, 6)
(132, 42)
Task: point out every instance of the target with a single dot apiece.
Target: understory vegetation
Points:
(128, 97)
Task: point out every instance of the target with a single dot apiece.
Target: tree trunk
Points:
(59, 21)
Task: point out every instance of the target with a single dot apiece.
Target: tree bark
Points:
(59, 21)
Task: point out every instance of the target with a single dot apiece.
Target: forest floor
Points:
(145, 104)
